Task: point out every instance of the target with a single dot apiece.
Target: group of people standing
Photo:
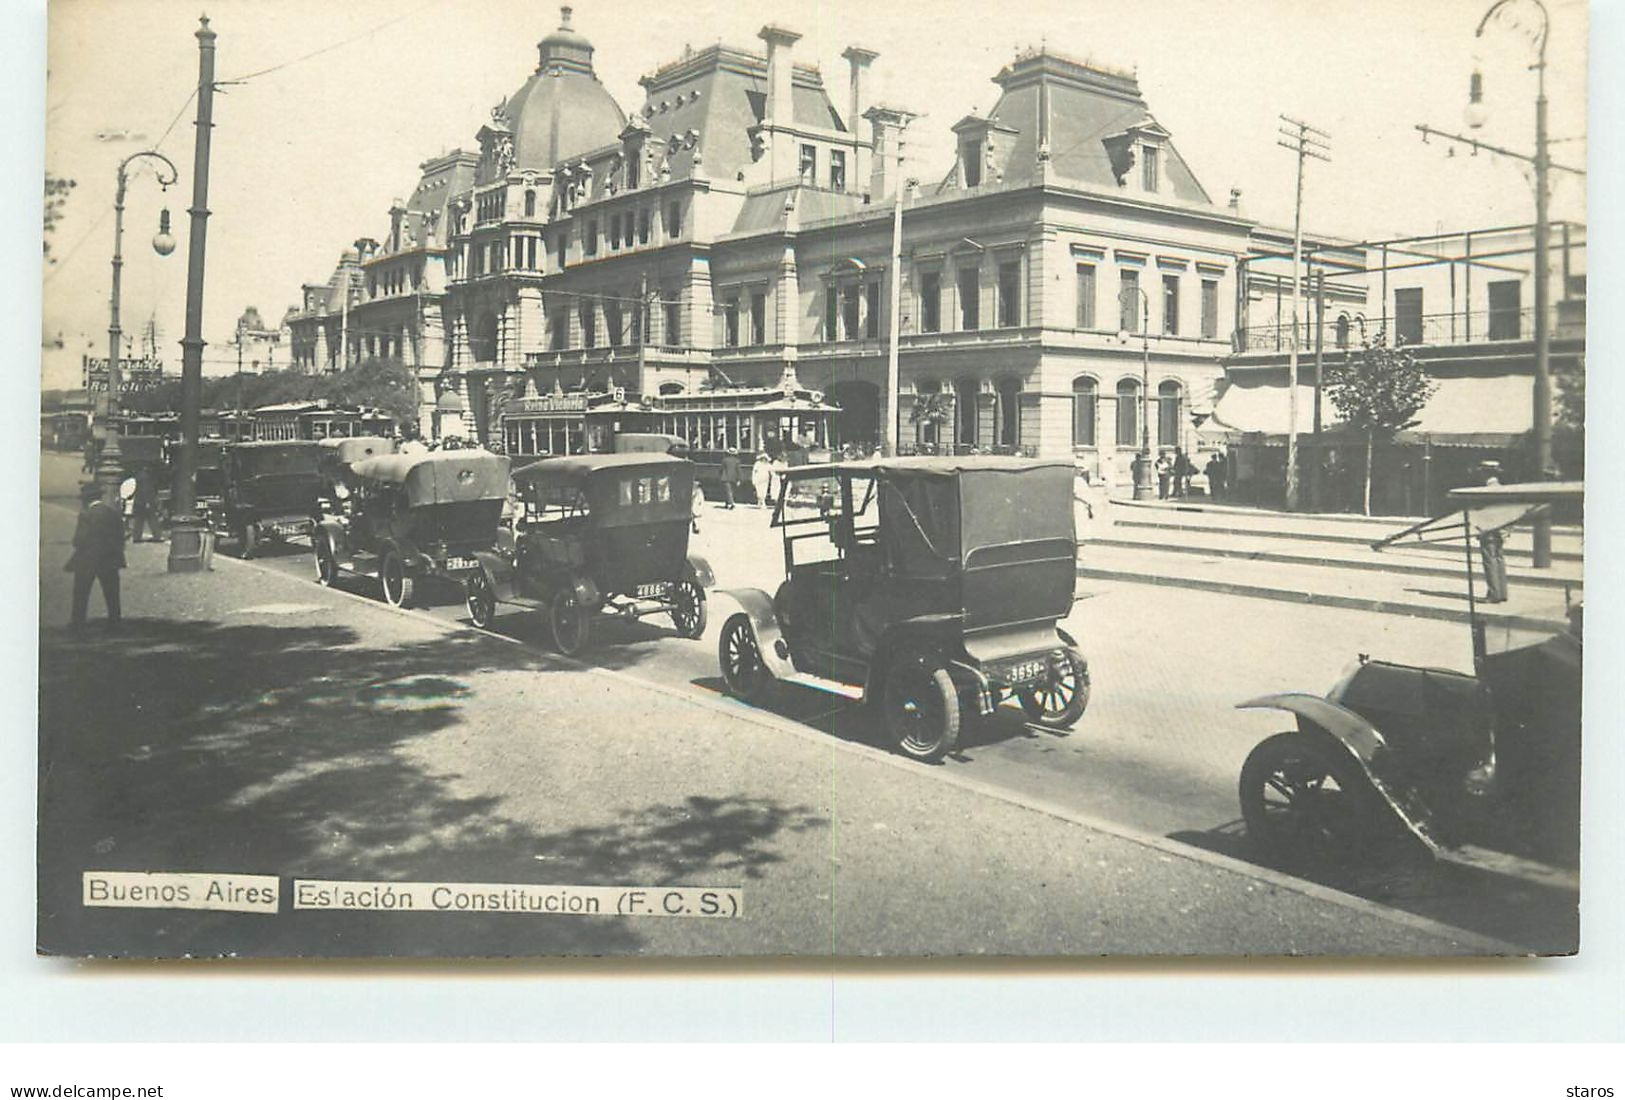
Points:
(1174, 473)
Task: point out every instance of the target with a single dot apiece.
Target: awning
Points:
(1488, 412)
(1264, 408)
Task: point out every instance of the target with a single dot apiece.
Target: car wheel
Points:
(1306, 802)
(327, 569)
(1059, 704)
(922, 710)
(398, 587)
(744, 673)
(688, 610)
(481, 599)
(571, 623)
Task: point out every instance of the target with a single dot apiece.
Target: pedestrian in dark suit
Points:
(98, 553)
(729, 475)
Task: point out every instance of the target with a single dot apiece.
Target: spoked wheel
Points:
(922, 710)
(744, 673)
(481, 598)
(398, 587)
(1307, 803)
(688, 610)
(248, 541)
(571, 623)
(327, 568)
(1059, 704)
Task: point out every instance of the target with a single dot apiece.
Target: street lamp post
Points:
(163, 244)
(1144, 482)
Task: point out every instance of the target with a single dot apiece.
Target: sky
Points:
(308, 156)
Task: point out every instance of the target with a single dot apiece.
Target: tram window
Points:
(744, 434)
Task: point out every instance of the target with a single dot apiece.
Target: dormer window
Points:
(1150, 168)
(970, 159)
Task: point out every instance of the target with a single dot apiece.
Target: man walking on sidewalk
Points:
(730, 475)
(98, 552)
(144, 507)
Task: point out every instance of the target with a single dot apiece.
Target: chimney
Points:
(1235, 200)
(859, 59)
(779, 42)
(884, 169)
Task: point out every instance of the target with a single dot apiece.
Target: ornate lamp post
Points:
(1144, 482)
(1476, 115)
(109, 468)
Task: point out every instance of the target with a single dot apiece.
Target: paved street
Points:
(350, 740)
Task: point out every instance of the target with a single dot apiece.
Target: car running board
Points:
(819, 683)
(1511, 866)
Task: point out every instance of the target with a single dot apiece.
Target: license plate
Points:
(461, 563)
(1026, 672)
(651, 591)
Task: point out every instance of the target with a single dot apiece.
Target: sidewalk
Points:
(249, 721)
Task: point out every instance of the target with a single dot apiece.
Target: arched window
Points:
(1128, 413)
(1343, 331)
(1170, 395)
(1084, 393)
(966, 427)
(667, 389)
(1008, 421)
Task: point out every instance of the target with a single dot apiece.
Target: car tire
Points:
(481, 598)
(921, 708)
(571, 623)
(327, 566)
(398, 585)
(1058, 706)
(1307, 804)
(739, 657)
(688, 613)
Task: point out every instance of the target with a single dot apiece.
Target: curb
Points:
(1282, 558)
(1321, 599)
(1485, 945)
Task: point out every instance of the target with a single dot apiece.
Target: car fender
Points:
(338, 537)
(1365, 745)
(769, 638)
(587, 594)
(701, 572)
(897, 642)
(501, 573)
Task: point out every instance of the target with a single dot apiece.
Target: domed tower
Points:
(560, 112)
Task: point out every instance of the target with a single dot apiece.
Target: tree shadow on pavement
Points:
(297, 750)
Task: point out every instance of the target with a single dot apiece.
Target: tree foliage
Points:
(932, 408)
(385, 384)
(56, 197)
(1378, 389)
(1569, 434)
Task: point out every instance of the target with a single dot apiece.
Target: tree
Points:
(56, 197)
(385, 384)
(1569, 438)
(1378, 390)
(933, 408)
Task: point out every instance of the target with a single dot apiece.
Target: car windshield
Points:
(821, 521)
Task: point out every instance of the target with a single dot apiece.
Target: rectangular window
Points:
(1210, 309)
(1128, 415)
(614, 231)
(1170, 305)
(1010, 294)
(809, 165)
(561, 329)
(1505, 309)
(643, 226)
(970, 160)
(730, 323)
(837, 170)
(1086, 296)
(1129, 304)
(849, 312)
(758, 317)
(871, 323)
(674, 220)
(564, 248)
(970, 299)
(674, 323)
(612, 323)
(1149, 175)
(1408, 315)
(832, 311)
(632, 173)
(1083, 415)
(589, 239)
(930, 302)
(589, 326)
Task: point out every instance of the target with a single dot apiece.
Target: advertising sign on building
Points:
(136, 375)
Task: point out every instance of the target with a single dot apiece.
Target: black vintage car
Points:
(269, 489)
(932, 586)
(412, 516)
(1479, 768)
(597, 533)
(337, 465)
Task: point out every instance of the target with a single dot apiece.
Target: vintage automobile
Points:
(413, 516)
(1481, 769)
(604, 533)
(267, 489)
(209, 475)
(931, 586)
(339, 455)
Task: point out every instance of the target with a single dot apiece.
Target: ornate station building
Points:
(1064, 280)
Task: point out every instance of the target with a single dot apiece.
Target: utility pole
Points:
(1306, 141)
(187, 531)
(1315, 487)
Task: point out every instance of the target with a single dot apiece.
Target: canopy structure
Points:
(441, 477)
